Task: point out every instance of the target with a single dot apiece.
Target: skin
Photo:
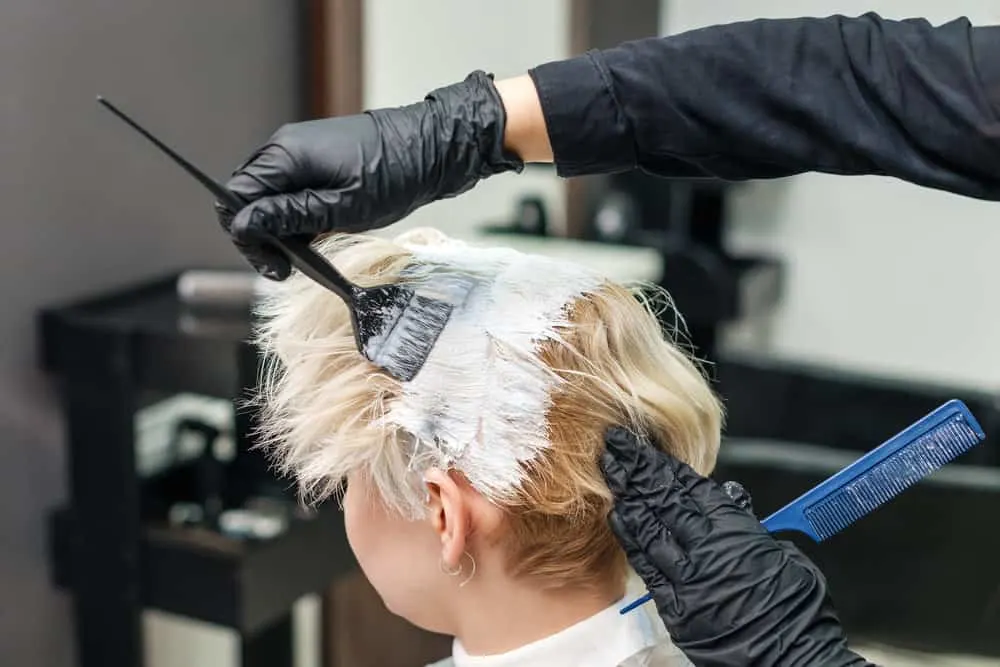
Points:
(406, 560)
(525, 133)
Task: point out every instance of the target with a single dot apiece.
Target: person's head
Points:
(487, 462)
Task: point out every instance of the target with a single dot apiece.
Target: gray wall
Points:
(86, 207)
(400, 67)
(883, 277)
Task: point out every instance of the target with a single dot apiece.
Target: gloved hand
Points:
(728, 593)
(356, 173)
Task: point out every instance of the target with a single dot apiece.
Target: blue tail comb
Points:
(877, 477)
(881, 474)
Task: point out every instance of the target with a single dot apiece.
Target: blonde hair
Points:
(323, 406)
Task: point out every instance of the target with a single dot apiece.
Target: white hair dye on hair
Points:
(480, 402)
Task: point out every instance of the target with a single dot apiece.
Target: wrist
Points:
(525, 132)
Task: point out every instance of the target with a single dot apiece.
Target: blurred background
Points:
(137, 528)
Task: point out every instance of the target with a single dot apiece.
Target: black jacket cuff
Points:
(587, 129)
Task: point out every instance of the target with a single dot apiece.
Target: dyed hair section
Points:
(325, 409)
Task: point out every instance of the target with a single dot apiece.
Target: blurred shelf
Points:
(147, 333)
(241, 584)
(111, 356)
(794, 402)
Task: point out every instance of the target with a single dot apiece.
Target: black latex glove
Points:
(728, 593)
(356, 173)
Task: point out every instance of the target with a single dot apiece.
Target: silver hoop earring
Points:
(451, 573)
(472, 570)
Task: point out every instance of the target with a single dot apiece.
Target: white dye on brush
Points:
(375, 343)
(479, 403)
(396, 329)
(416, 322)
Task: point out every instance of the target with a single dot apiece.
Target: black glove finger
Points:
(658, 581)
(225, 215)
(642, 475)
(260, 176)
(268, 172)
(795, 555)
(252, 228)
(739, 495)
(652, 575)
(279, 216)
(633, 467)
(713, 499)
(266, 261)
(695, 483)
(621, 444)
(639, 528)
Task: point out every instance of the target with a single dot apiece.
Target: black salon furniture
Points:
(113, 547)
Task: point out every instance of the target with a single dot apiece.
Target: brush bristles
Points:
(892, 476)
(405, 346)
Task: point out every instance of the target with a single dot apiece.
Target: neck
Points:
(502, 615)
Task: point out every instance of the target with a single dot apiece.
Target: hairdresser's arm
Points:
(728, 593)
(761, 99)
(772, 98)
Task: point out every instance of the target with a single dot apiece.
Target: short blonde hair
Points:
(323, 405)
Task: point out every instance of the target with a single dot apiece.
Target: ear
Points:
(450, 514)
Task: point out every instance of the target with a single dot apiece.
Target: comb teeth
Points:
(892, 476)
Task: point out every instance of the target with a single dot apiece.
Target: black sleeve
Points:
(772, 98)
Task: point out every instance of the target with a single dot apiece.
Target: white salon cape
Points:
(606, 639)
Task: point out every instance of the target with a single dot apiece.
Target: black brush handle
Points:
(313, 265)
(221, 193)
(298, 251)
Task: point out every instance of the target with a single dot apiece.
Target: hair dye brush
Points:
(877, 477)
(394, 327)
